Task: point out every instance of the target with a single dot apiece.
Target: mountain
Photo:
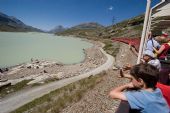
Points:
(57, 29)
(83, 30)
(91, 25)
(127, 28)
(12, 24)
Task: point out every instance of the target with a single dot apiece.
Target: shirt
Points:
(147, 102)
(150, 45)
(164, 53)
(156, 63)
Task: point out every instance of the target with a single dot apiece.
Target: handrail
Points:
(144, 30)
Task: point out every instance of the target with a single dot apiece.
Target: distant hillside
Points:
(128, 28)
(12, 24)
(84, 30)
(91, 25)
(58, 29)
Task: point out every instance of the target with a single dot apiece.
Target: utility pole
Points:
(113, 20)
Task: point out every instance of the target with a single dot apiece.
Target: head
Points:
(144, 76)
(148, 55)
(164, 36)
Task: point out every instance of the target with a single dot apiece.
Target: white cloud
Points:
(110, 8)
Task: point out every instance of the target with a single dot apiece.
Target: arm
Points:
(160, 50)
(124, 75)
(117, 93)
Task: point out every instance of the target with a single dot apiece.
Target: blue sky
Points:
(46, 14)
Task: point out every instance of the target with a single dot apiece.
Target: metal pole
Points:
(144, 30)
(148, 30)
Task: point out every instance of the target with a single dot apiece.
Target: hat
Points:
(149, 53)
(164, 34)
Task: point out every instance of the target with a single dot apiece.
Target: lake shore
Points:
(40, 71)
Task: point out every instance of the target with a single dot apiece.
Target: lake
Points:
(17, 48)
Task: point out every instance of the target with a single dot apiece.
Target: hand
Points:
(155, 49)
(127, 67)
(121, 73)
(142, 60)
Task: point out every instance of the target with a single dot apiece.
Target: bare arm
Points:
(160, 50)
(117, 93)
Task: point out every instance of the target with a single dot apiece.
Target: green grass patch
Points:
(13, 88)
(56, 100)
(111, 48)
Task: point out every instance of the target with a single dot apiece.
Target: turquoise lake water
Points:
(17, 48)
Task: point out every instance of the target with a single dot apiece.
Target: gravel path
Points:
(22, 97)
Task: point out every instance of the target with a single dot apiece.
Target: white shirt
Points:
(156, 63)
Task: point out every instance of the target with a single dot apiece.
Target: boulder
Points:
(45, 71)
(4, 84)
(2, 70)
(29, 67)
(60, 75)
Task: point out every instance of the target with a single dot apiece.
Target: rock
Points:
(37, 67)
(2, 70)
(60, 75)
(22, 77)
(37, 61)
(3, 80)
(39, 79)
(45, 71)
(32, 59)
(115, 68)
(45, 66)
(55, 76)
(22, 66)
(29, 67)
(1, 74)
(4, 84)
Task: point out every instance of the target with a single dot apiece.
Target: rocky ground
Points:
(97, 99)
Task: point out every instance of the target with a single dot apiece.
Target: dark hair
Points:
(148, 73)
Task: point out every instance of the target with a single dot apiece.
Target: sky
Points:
(46, 14)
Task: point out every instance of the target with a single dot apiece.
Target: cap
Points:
(164, 34)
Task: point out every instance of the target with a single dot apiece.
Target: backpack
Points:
(166, 51)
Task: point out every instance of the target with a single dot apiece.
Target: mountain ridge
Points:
(128, 28)
(57, 29)
(12, 24)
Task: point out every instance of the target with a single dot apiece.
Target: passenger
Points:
(162, 52)
(152, 42)
(164, 88)
(148, 57)
(147, 98)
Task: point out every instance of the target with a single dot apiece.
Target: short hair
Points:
(148, 73)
